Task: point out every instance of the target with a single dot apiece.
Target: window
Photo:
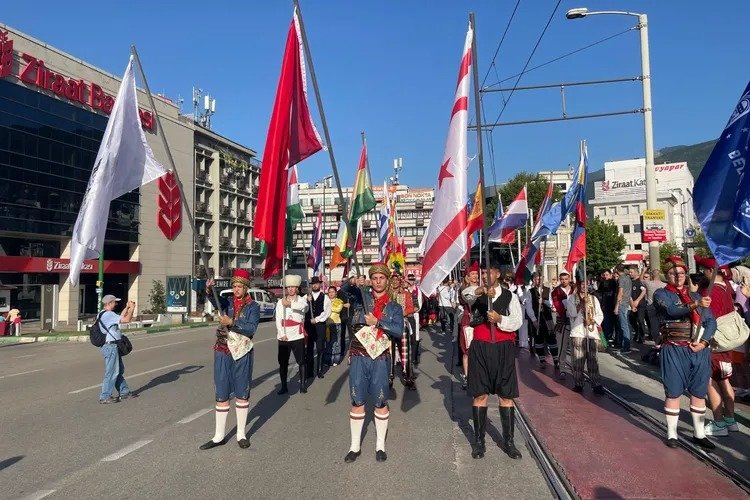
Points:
(601, 212)
(636, 209)
(624, 210)
(612, 211)
(637, 246)
(561, 186)
(637, 228)
(626, 229)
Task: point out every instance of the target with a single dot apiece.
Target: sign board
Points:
(178, 291)
(690, 232)
(654, 226)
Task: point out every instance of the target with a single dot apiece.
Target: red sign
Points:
(650, 235)
(169, 201)
(6, 54)
(62, 266)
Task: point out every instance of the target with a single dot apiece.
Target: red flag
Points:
(578, 239)
(292, 137)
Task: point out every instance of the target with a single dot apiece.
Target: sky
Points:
(389, 68)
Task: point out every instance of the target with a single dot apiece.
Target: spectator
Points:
(622, 307)
(607, 293)
(652, 282)
(333, 333)
(446, 297)
(637, 305)
(14, 322)
(114, 369)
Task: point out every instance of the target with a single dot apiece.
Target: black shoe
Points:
(479, 414)
(380, 456)
(673, 443)
(409, 384)
(130, 395)
(320, 374)
(212, 444)
(562, 375)
(352, 456)
(109, 400)
(704, 443)
(508, 421)
(283, 390)
(599, 390)
(244, 443)
(578, 388)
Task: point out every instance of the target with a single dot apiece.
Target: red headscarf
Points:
(684, 292)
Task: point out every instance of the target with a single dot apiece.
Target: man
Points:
(492, 363)
(362, 281)
(344, 296)
(538, 310)
(637, 304)
(320, 310)
(353, 297)
(607, 291)
(233, 356)
(622, 308)
(416, 299)
(368, 371)
(652, 282)
(403, 345)
(446, 298)
(585, 317)
(468, 295)
(720, 390)
(290, 318)
(114, 369)
(687, 326)
(562, 326)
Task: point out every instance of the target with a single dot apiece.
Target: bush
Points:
(158, 298)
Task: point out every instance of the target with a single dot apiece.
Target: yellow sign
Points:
(654, 214)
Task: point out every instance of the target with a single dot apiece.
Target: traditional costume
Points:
(538, 312)
(315, 325)
(402, 347)
(586, 317)
(562, 328)
(233, 360)
(290, 332)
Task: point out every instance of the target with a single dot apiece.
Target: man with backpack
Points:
(108, 322)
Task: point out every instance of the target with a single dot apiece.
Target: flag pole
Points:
(377, 215)
(324, 122)
(100, 282)
(185, 205)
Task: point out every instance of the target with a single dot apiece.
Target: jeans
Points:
(447, 319)
(114, 372)
(332, 353)
(624, 322)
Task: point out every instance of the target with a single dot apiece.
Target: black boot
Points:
(479, 414)
(320, 365)
(416, 352)
(284, 389)
(508, 420)
(302, 379)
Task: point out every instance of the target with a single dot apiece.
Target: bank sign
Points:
(654, 226)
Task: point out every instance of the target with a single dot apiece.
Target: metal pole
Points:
(100, 283)
(648, 132)
(160, 132)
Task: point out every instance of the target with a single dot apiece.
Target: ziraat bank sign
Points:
(34, 72)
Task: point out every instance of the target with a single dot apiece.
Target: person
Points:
(720, 390)
(447, 302)
(353, 296)
(652, 282)
(637, 305)
(686, 325)
(607, 291)
(315, 324)
(492, 362)
(538, 312)
(468, 294)
(333, 329)
(383, 319)
(562, 324)
(403, 345)
(14, 321)
(362, 281)
(233, 356)
(114, 368)
(343, 295)
(416, 319)
(621, 309)
(586, 317)
(290, 331)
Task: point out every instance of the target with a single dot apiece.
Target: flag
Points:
(358, 246)
(294, 211)
(384, 226)
(514, 218)
(560, 210)
(315, 253)
(363, 199)
(339, 253)
(124, 162)
(578, 239)
(531, 256)
(446, 239)
(721, 196)
(291, 138)
(475, 217)
(511, 238)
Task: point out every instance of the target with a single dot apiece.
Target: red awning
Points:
(634, 257)
(21, 264)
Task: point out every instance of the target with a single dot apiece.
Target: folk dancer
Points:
(233, 357)
(416, 319)
(290, 331)
(468, 294)
(562, 325)
(315, 324)
(586, 316)
(492, 363)
(368, 376)
(538, 310)
(334, 325)
(687, 326)
(402, 346)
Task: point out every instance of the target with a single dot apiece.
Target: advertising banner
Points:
(178, 293)
(654, 226)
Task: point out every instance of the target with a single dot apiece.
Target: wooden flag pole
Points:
(185, 205)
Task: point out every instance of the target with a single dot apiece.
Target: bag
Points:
(97, 335)
(124, 347)
(731, 332)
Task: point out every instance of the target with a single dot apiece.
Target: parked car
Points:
(265, 300)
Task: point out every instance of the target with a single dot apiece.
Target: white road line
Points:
(38, 495)
(26, 356)
(22, 373)
(128, 376)
(126, 450)
(195, 415)
(163, 345)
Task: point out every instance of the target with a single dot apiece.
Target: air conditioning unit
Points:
(225, 210)
(316, 208)
(419, 204)
(367, 241)
(224, 242)
(200, 206)
(368, 258)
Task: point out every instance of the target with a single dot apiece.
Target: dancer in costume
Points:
(586, 317)
(290, 331)
(467, 296)
(233, 357)
(562, 326)
(538, 311)
(403, 346)
(379, 321)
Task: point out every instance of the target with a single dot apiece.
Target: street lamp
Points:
(648, 127)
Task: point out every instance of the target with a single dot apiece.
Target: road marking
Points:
(22, 373)
(27, 356)
(195, 415)
(38, 495)
(128, 376)
(126, 450)
(163, 345)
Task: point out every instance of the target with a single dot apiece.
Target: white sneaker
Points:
(733, 427)
(714, 429)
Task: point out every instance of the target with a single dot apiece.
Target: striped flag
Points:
(578, 239)
(475, 217)
(514, 218)
(315, 253)
(363, 199)
(531, 255)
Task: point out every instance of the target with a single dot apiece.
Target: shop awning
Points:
(634, 257)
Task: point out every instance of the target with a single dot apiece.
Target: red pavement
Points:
(603, 450)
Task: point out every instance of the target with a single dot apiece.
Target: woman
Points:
(333, 331)
(586, 317)
(467, 295)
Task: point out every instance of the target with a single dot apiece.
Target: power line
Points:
(502, 39)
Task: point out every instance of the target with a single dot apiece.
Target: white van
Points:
(265, 300)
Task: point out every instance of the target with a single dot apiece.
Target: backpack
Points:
(97, 335)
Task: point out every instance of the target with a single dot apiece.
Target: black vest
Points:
(316, 305)
(535, 302)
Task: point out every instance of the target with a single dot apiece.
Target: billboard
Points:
(178, 292)
(654, 226)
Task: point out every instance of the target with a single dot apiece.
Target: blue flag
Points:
(559, 211)
(721, 197)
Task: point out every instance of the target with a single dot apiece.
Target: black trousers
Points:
(316, 339)
(653, 321)
(638, 323)
(344, 328)
(285, 349)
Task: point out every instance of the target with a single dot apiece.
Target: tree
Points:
(536, 189)
(604, 244)
(669, 249)
(158, 298)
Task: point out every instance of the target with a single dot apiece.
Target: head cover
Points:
(292, 280)
(109, 298)
(474, 267)
(410, 277)
(673, 262)
(379, 268)
(705, 262)
(241, 276)
(315, 280)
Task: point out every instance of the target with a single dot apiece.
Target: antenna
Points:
(398, 165)
(202, 114)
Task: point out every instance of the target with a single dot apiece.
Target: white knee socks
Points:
(673, 416)
(356, 422)
(221, 424)
(241, 409)
(699, 420)
(381, 429)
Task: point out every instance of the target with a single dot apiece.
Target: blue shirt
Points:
(111, 325)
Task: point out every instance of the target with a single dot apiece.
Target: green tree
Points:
(669, 249)
(701, 247)
(604, 244)
(158, 298)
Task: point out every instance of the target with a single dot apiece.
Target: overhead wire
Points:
(500, 44)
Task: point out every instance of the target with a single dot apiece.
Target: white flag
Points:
(124, 162)
(445, 239)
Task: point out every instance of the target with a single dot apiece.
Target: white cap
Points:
(292, 280)
(109, 298)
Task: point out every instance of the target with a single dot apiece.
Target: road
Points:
(58, 442)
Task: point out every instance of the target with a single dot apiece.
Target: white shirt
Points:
(296, 312)
(446, 296)
(577, 328)
(322, 317)
(514, 320)
(529, 306)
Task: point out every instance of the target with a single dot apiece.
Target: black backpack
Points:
(97, 335)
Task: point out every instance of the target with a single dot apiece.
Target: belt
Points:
(112, 342)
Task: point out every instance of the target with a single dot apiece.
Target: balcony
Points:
(224, 242)
(225, 210)
(366, 223)
(367, 241)
(316, 208)
(420, 223)
(367, 258)
(243, 243)
(419, 205)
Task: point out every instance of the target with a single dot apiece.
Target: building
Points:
(413, 209)
(53, 113)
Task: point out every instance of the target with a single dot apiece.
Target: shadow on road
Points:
(263, 410)
(168, 377)
(4, 464)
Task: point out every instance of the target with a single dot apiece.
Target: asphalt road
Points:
(56, 441)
